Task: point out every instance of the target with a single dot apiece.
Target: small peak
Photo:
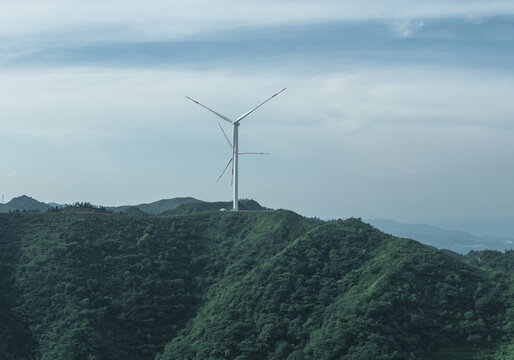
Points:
(23, 197)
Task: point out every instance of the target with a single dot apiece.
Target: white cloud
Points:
(117, 20)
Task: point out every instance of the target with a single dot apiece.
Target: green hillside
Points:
(488, 259)
(491, 259)
(250, 285)
(155, 207)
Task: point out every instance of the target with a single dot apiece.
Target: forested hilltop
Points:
(85, 284)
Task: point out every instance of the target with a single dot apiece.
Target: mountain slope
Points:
(347, 291)
(248, 285)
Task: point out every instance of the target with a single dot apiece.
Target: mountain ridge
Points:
(454, 240)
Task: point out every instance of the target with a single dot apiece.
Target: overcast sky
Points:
(393, 110)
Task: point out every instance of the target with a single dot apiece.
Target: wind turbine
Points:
(234, 145)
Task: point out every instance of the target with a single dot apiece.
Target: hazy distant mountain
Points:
(156, 207)
(459, 241)
(178, 205)
(24, 202)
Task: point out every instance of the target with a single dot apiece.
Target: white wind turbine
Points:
(234, 145)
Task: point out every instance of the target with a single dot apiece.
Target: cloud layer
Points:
(123, 20)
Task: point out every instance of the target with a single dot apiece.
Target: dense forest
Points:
(83, 283)
(488, 259)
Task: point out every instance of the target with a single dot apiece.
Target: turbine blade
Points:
(253, 153)
(255, 108)
(226, 137)
(225, 169)
(212, 111)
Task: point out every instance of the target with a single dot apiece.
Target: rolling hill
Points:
(26, 203)
(86, 284)
(457, 241)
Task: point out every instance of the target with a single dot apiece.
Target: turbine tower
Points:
(234, 145)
